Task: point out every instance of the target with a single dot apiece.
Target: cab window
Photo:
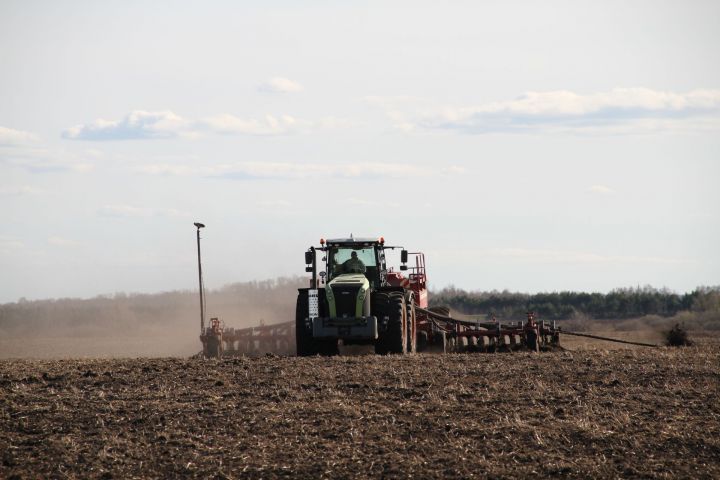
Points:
(339, 255)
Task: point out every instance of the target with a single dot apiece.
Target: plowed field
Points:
(624, 413)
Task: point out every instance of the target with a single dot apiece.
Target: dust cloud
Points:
(138, 325)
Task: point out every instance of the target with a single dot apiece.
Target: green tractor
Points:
(357, 300)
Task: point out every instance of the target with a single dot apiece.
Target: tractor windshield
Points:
(351, 260)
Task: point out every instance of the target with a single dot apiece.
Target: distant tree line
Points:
(618, 304)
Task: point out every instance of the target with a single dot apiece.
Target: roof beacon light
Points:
(322, 241)
(382, 240)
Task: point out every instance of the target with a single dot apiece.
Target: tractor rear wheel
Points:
(411, 326)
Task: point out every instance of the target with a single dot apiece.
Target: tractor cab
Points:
(356, 256)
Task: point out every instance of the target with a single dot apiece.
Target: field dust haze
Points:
(138, 325)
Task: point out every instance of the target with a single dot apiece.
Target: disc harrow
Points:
(458, 335)
(219, 341)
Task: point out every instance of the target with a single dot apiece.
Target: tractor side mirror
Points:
(403, 256)
(308, 257)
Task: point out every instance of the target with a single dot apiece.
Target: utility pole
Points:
(200, 281)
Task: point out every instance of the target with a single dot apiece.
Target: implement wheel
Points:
(531, 340)
(213, 347)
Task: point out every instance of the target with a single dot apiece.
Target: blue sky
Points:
(521, 145)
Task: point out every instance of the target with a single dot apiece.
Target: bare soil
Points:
(621, 413)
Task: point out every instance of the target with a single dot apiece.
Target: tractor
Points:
(357, 299)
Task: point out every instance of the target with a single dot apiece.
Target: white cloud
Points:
(63, 242)
(601, 189)
(42, 160)
(364, 202)
(139, 124)
(632, 109)
(280, 85)
(142, 125)
(129, 211)
(270, 125)
(11, 137)
(21, 190)
(175, 170)
(274, 204)
(546, 256)
(289, 171)
(9, 244)
(24, 150)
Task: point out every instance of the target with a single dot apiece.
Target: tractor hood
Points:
(347, 293)
(350, 279)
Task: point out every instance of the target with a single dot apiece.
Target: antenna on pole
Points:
(200, 280)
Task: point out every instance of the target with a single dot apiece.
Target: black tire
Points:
(394, 340)
(472, 344)
(304, 344)
(378, 306)
(214, 347)
(379, 309)
(422, 341)
(531, 340)
(411, 325)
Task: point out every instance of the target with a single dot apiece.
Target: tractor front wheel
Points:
(394, 340)
(305, 347)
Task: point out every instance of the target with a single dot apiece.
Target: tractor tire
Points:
(394, 340)
(379, 309)
(378, 306)
(304, 343)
